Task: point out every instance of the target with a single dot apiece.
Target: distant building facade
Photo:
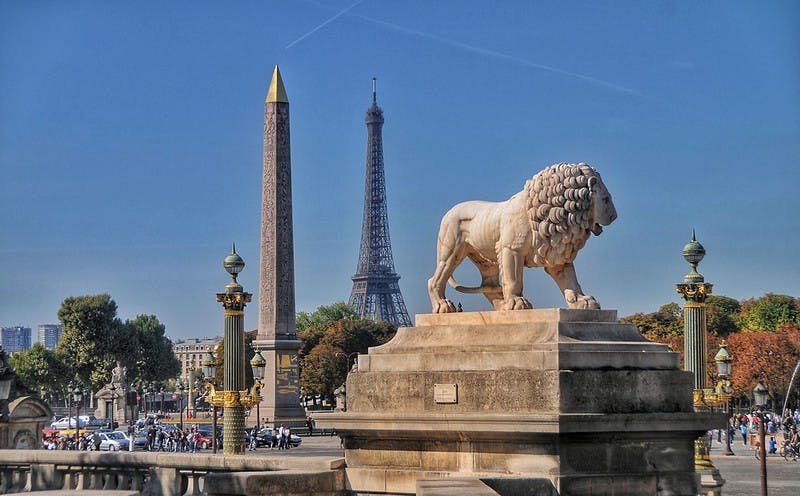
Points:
(16, 338)
(190, 353)
(49, 335)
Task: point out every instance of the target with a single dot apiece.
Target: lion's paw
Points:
(443, 306)
(580, 301)
(517, 303)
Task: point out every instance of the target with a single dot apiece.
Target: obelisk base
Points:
(280, 398)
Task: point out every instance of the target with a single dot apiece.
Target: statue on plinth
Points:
(544, 225)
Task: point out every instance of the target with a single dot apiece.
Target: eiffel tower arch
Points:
(376, 292)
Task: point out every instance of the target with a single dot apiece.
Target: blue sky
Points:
(130, 142)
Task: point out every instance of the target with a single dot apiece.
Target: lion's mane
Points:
(560, 212)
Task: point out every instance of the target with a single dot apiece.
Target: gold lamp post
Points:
(257, 364)
(210, 373)
(234, 398)
(724, 359)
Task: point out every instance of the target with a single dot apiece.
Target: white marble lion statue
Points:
(544, 225)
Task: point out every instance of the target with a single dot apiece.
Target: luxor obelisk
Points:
(277, 340)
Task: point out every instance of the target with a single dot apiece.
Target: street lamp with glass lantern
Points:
(210, 372)
(181, 388)
(760, 396)
(257, 363)
(724, 360)
(68, 398)
(77, 396)
(113, 390)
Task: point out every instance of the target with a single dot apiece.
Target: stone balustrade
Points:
(150, 474)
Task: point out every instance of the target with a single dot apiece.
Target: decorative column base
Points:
(233, 441)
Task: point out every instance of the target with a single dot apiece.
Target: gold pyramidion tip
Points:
(277, 93)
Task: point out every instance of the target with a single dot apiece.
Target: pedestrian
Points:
(773, 445)
(743, 428)
(253, 439)
(310, 425)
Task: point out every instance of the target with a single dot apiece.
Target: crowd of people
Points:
(780, 431)
(84, 442)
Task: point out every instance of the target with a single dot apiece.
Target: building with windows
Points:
(190, 353)
(16, 338)
(49, 335)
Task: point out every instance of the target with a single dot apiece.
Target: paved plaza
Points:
(742, 472)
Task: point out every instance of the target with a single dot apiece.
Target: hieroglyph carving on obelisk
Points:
(276, 339)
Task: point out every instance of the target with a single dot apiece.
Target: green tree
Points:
(142, 346)
(325, 314)
(325, 366)
(311, 327)
(40, 370)
(768, 313)
(85, 346)
(721, 314)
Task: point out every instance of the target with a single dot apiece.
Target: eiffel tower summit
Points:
(376, 293)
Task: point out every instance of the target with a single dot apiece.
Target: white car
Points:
(113, 441)
(68, 423)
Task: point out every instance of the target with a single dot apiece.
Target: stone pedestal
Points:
(571, 398)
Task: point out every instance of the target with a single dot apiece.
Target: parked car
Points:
(91, 421)
(113, 441)
(68, 423)
(264, 438)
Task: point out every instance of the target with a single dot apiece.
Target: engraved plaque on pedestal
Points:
(445, 393)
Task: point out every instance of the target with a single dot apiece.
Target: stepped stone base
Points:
(571, 399)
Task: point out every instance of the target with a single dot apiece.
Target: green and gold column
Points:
(233, 300)
(694, 291)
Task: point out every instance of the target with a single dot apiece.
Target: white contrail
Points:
(499, 55)
(340, 14)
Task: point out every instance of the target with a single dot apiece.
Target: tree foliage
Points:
(85, 346)
(142, 346)
(721, 315)
(768, 313)
(94, 339)
(767, 356)
(325, 366)
(666, 321)
(311, 327)
(40, 370)
(324, 315)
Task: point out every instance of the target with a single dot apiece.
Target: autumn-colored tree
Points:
(666, 321)
(766, 356)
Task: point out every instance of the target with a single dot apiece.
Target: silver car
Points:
(68, 423)
(113, 441)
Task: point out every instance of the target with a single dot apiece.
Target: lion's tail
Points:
(467, 289)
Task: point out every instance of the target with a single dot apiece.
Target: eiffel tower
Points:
(376, 293)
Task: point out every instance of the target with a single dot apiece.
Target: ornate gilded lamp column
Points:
(234, 398)
(694, 291)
